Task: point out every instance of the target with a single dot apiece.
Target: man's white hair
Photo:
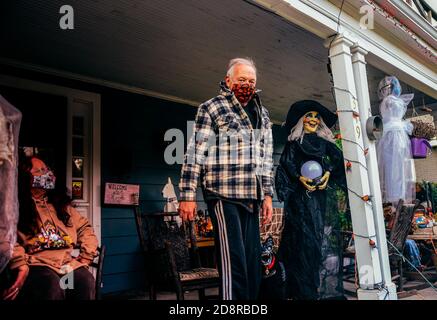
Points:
(236, 61)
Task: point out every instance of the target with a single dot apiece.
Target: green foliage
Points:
(344, 212)
(338, 140)
(337, 209)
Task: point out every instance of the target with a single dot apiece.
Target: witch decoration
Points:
(310, 164)
(395, 161)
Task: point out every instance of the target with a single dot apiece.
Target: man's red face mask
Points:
(243, 92)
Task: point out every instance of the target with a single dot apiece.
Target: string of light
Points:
(348, 165)
(397, 23)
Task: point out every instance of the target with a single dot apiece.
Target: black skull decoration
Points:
(268, 257)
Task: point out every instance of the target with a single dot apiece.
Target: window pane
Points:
(77, 190)
(78, 126)
(77, 166)
(78, 149)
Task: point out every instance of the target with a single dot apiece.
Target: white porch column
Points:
(362, 89)
(367, 258)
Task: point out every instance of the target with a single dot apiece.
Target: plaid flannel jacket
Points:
(229, 156)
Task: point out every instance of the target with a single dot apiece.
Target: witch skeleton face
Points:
(311, 122)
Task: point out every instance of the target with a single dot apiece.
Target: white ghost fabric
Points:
(395, 162)
(10, 121)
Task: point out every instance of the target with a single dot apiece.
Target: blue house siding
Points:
(133, 145)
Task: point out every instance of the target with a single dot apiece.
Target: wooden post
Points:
(362, 90)
(363, 224)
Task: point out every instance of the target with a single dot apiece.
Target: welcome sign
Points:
(122, 194)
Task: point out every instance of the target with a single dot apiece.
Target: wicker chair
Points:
(171, 256)
(397, 237)
(274, 228)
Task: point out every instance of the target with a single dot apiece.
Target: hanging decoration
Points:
(396, 167)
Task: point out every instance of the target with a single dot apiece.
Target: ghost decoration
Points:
(172, 204)
(7, 147)
(395, 162)
(10, 121)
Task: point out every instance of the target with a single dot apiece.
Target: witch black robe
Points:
(310, 247)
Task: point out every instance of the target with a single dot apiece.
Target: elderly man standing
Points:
(231, 151)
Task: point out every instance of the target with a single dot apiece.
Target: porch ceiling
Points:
(171, 47)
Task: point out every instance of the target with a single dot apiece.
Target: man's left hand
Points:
(267, 210)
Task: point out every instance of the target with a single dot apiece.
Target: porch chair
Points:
(171, 256)
(97, 264)
(274, 228)
(398, 236)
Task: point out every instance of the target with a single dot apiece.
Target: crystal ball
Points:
(311, 169)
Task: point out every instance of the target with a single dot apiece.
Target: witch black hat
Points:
(300, 108)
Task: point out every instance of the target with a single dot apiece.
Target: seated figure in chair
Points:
(49, 228)
(413, 254)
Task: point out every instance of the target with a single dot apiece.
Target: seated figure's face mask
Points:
(42, 177)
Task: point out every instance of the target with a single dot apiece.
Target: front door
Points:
(79, 155)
